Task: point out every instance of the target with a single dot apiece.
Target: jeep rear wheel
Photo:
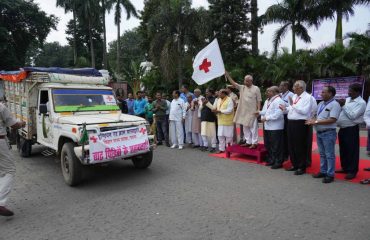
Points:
(24, 146)
(143, 161)
(71, 165)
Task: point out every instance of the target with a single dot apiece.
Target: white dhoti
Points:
(188, 127)
(251, 133)
(209, 132)
(177, 133)
(7, 172)
(225, 136)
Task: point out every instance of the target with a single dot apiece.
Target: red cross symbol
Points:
(205, 65)
(143, 130)
(93, 139)
(109, 98)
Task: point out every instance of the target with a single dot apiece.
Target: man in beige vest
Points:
(249, 103)
(224, 108)
(7, 166)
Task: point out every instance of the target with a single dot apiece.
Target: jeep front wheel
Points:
(71, 165)
(143, 161)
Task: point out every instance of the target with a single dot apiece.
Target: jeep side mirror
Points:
(43, 109)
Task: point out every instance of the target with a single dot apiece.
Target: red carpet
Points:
(313, 169)
(363, 140)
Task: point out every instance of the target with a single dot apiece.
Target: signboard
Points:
(341, 85)
(123, 143)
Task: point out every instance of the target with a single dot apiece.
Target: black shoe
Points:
(269, 164)
(350, 176)
(328, 179)
(219, 152)
(203, 149)
(241, 142)
(300, 172)
(212, 150)
(168, 145)
(340, 171)
(5, 212)
(367, 169)
(319, 175)
(291, 169)
(159, 143)
(196, 146)
(276, 166)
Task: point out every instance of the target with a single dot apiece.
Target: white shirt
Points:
(352, 112)
(367, 114)
(273, 114)
(301, 108)
(285, 97)
(178, 110)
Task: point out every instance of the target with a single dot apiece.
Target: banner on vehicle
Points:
(341, 85)
(122, 143)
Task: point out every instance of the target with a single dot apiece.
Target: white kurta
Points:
(188, 118)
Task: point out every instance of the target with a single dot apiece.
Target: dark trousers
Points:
(309, 146)
(274, 143)
(162, 130)
(286, 147)
(349, 148)
(297, 140)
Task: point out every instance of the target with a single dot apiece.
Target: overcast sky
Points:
(323, 36)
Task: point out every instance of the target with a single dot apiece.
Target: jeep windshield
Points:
(82, 100)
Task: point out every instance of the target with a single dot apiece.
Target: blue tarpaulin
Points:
(89, 72)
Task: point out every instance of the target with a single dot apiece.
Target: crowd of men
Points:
(210, 122)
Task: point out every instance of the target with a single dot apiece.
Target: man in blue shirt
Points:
(184, 92)
(325, 124)
(139, 105)
(130, 104)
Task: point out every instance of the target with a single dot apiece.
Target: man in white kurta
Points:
(177, 118)
(188, 119)
(249, 103)
(224, 108)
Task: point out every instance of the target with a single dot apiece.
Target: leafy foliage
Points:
(22, 26)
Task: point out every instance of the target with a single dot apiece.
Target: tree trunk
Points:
(179, 64)
(294, 47)
(339, 29)
(118, 47)
(91, 46)
(74, 38)
(105, 60)
(254, 21)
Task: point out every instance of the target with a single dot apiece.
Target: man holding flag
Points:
(249, 103)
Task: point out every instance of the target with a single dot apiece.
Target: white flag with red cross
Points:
(208, 64)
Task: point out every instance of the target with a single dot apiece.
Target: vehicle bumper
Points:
(83, 153)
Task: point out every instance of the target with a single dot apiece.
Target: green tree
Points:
(130, 10)
(71, 6)
(54, 55)
(293, 14)
(174, 31)
(230, 26)
(83, 45)
(339, 10)
(22, 26)
(131, 45)
(106, 5)
(89, 11)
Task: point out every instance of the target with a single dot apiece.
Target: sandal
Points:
(365, 181)
(367, 169)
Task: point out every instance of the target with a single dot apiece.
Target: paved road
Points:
(184, 195)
